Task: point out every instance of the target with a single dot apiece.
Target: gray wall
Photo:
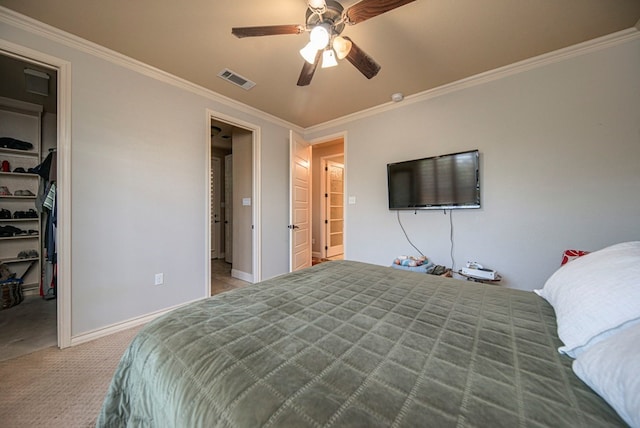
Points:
(139, 183)
(242, 189)
(560, 160)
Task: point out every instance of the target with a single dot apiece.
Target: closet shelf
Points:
(10, 238)
(20, 174)
(16, 152)
(17, 260)
(21, 121)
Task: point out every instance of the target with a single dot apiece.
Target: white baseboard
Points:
(121, 326)
(242, 275)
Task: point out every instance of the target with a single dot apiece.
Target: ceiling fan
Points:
(325, 21)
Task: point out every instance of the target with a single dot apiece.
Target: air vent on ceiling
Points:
(236, 79)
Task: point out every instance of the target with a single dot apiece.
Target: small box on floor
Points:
(480, 273)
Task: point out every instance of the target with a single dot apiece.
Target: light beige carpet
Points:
(60, 388)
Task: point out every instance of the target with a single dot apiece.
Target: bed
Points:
(347, 343)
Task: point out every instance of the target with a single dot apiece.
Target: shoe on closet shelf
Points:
(28, 254)
(23, 254)
(31, 213)
(5, 214)
(4, 191)
(6, 231)
(19, 169)
(23, 193)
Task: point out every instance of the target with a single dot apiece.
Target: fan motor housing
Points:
(331, 16)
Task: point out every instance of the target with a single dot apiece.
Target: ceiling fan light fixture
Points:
(325, 20)
(309, 53)
(342, 47)
(329, 58)
(319, 36)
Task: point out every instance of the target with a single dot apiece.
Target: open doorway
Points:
(29, 128)
(328, 172)
(232, 228)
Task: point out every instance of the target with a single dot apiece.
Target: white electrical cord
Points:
(407, 236)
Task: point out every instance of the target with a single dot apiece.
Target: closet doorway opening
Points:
(28, 114)
(328, 196)
(233, 205)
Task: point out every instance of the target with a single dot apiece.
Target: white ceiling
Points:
(422, 45)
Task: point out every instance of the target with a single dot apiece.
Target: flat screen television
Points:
(449, 181)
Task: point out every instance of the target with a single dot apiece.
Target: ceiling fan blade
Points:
(363, 62)
(267, 30)
(366, 9)
(308, 69)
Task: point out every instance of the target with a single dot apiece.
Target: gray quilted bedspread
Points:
(352, 344)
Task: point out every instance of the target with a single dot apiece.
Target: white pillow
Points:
(612, 369)
(595, 295)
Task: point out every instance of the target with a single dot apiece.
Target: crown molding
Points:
(614, 39)
(53, 34)
(48, 32)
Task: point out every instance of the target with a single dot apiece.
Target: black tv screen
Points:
(440, 182)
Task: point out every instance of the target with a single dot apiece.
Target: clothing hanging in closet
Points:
(47, 207)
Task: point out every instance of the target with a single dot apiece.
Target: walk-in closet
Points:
(28, 211)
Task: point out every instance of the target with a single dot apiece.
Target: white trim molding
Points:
(121, 326)
(256, 242)
(59, 36)
(603, 42)
(63, 180)
(39, 28)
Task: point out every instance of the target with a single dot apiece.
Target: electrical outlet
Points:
(159, 279)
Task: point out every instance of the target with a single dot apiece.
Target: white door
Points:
(300, 202)
(228, 208)
(216, 176)
(334, 209)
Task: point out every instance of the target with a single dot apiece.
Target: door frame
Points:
(63, 133)
(228, 209)
(255, 194)
(216, 178)
(324, 202)
(325, 139)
